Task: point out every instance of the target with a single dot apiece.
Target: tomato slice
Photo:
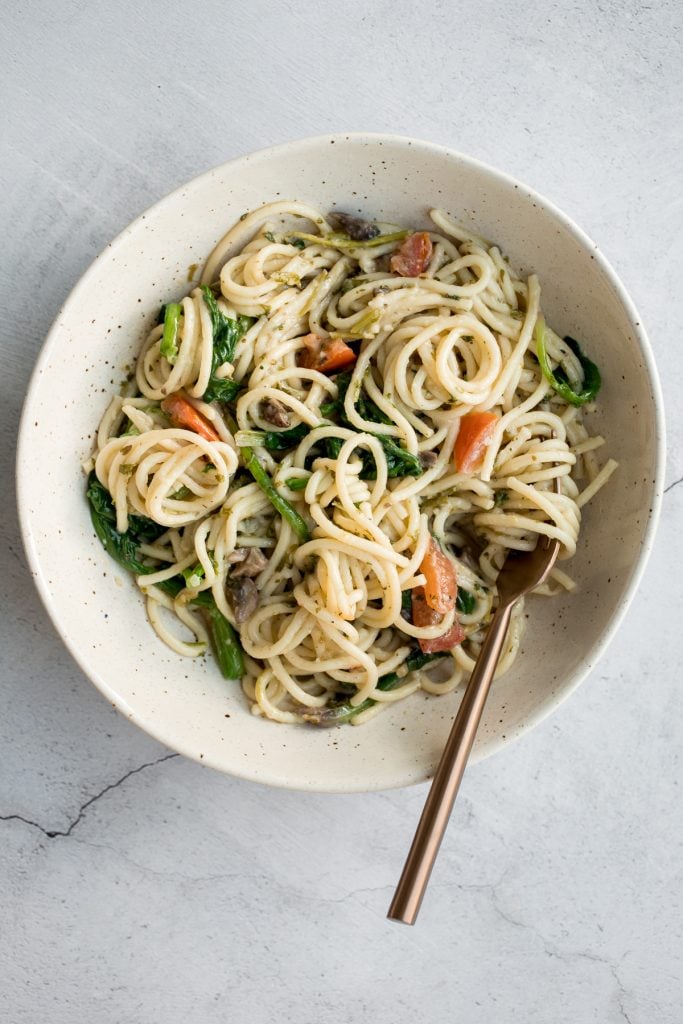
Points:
(475, 433)
(183, 414)
(423, 615)
(328, 355)
(412, 257)
(441, 587)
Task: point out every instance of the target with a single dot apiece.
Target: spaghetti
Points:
(328, 449)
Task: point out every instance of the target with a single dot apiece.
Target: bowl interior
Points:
(96, 607)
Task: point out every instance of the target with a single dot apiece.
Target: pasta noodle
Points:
(292, 462)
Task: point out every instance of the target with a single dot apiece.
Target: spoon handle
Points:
(439, 804)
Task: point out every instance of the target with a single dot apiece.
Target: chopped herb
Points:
(500, 497)
(269, 235)
(298, 243)
(127, 468)
(182, 494)
(297, 483)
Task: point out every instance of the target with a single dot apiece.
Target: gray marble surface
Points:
(137, 887)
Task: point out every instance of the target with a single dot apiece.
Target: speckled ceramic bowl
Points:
(99, 613)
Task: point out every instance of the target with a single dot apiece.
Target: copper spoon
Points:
(521, 572)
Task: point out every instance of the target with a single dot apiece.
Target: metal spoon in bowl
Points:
(522, 571)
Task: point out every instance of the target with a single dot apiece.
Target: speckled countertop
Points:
(138, 887)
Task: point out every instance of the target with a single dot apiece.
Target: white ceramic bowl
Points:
(98, 611)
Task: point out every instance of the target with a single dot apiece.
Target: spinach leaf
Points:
(465, 601)
(557, 378)
(124, 548)
(399, 462)
(283, 440)
(121, 546)
(226, 333)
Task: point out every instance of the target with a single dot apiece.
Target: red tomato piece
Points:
(476, 431)
(328, 355)
(423, 615)
(441, 587)
(183, 414)
(412, 257)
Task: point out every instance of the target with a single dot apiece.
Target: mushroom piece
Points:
(275, 412)
(243, 596)
(355, 227)
(251, 562)
(427, 459)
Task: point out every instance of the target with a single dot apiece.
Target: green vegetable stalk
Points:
(558, 378)
(262, 478)
(169, 340)
(341, 241)
(224, 641)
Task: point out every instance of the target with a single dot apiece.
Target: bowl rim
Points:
(166, 736)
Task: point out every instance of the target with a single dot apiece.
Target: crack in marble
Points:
(231, 876)
(177, 876)
(674, 484)
(59, 833)
(552, 951)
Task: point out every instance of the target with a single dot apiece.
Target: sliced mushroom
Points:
(243, 596)
(427, 459)
(252, 564)
(275, 412)
(236, 556)
(355, 227)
